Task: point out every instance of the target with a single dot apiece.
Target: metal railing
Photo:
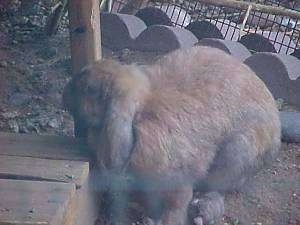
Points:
(282, 32)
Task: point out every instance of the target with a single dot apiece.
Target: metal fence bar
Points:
(217, 14)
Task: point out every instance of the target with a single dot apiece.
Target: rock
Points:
(209, 207)
(43, 121)
(279, 103)
(15, 42)
(3, 64)
(118, 31)
(124, 55)
(153, 16)
(290, 126)
(54, 123)
(257, 43)
(280, 73)
(160, 38)
(13, 125)
(204, 29)
(198, 221)
(233, 48)
(23, 130)
(31, 126)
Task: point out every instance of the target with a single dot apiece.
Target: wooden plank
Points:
(85, 36)
(88, 198)
(43, 146)
(44, 169)
(35, 202)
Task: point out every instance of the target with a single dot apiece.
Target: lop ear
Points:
(117, 135)
(70, 91)
(70, 102)
(128, 95)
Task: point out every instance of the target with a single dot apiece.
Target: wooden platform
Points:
(45, 180)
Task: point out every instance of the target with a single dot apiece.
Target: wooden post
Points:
(85, 36)
(85, 33)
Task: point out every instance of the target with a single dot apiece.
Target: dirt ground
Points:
(32, 77)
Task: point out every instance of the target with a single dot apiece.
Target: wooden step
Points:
(46, 160)
(17, 167)
(43, 146)
(36, 202)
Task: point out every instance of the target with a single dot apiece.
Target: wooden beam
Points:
(36, 203)
(44, 146)
(85, 33)
(275, 10)
(22, 168)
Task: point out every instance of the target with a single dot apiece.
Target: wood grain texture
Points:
(43, 146)
(35, 202)
(44, 169)
(85, 34)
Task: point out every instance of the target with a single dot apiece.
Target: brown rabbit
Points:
(197, 118)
